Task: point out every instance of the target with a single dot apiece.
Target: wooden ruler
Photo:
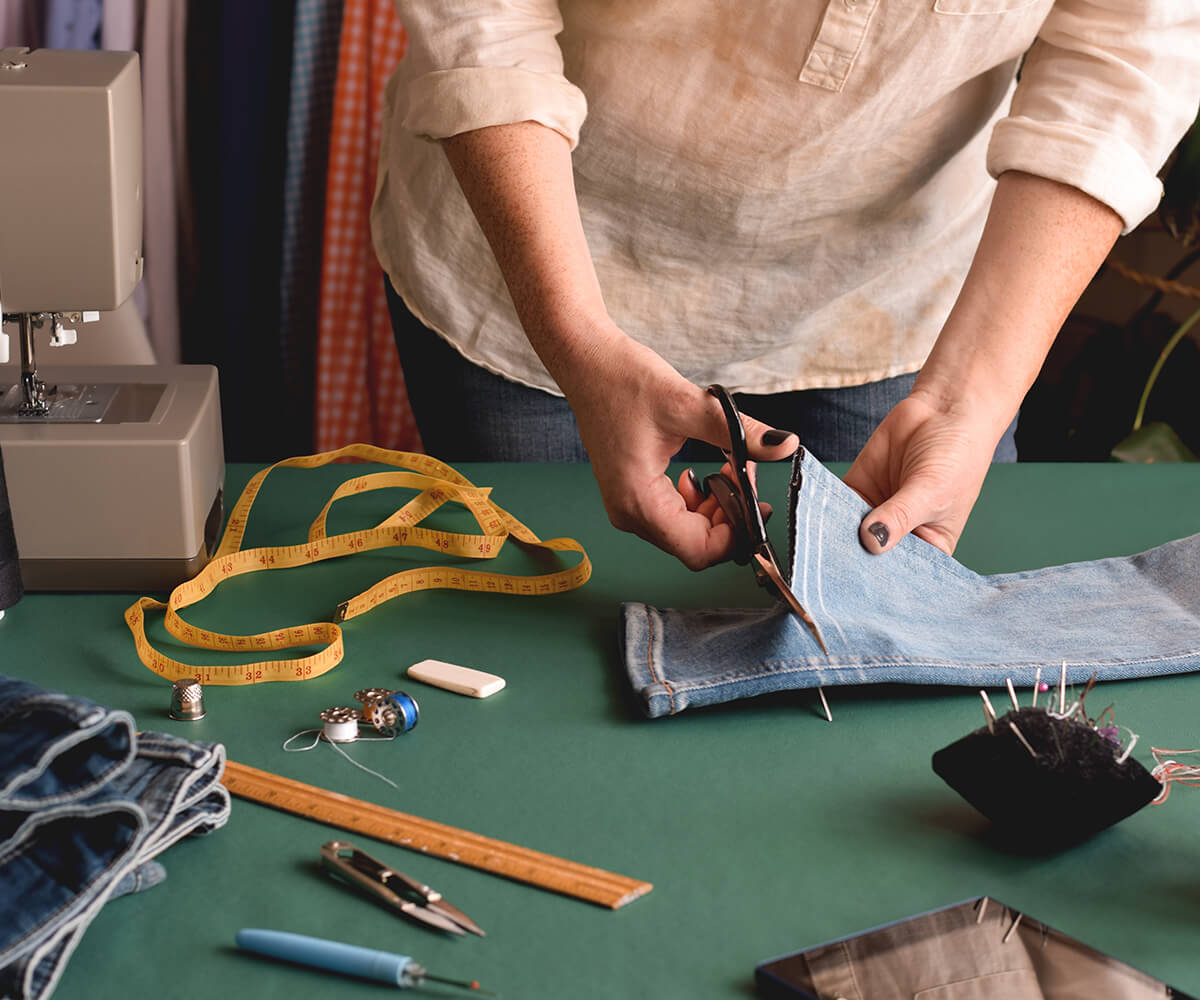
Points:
(519, 863)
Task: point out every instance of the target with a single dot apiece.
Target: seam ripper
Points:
(348, 959)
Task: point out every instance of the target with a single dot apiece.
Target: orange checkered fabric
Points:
(360, 393)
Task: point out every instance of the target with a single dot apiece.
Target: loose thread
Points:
(1170, 771)
(326, 735)
(363, 766)
(303, 732)
(1133, 738)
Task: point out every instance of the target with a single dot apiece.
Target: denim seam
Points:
(26, 704)
(650, 660)
(11, 799)
(73, 933)
(781, 667)
(131, 852)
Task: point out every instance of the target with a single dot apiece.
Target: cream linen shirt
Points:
(777, 195)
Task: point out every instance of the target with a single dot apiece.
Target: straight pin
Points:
(1037, 683)
(1062, 689)
(989, 713)
(1024, 742)
(1009, 932)
(1012, 694)
(825, 704)
(1133, 738)
(983, 901)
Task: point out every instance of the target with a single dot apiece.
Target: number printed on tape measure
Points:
(437, 483)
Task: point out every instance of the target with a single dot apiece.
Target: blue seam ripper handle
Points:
(332, 955)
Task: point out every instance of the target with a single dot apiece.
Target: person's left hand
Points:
(921, 470)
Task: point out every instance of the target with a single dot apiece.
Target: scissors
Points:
(412, 898)
(737, 498)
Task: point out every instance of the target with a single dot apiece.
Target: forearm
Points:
(1041, 246)
(517, 179)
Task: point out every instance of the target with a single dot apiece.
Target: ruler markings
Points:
(512, 861)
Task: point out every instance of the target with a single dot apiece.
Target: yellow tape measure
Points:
(436, 483)
(522, 864)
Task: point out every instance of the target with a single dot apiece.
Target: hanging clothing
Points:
(239, 66)
(360, 388)
(73, 24)
(20, 24)
(164, 82)
(309, 119)
(121, 25)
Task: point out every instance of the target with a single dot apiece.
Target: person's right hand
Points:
(634, 410)
(634, 413)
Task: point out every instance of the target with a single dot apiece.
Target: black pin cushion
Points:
(11, 587)
(1071, 790)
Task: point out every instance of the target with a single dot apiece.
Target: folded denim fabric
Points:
(56, 864)
(916, 616)
(176, 787)
(93, 838)
(56, 747)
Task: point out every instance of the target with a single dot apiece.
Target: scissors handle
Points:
(729, 499)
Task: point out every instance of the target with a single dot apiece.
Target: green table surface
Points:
(763, 828)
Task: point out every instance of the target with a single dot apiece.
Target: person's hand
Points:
(634, 413)
(921, 470)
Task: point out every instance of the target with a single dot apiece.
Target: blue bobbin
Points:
(407, 709)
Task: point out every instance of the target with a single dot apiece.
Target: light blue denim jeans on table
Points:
(915, 615)
(86, 804)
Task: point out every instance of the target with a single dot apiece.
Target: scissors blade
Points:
(769, 567)
(362, 870)
(433, 900)
(429, 915)
(454, 913)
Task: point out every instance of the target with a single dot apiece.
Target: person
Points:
(867, 218)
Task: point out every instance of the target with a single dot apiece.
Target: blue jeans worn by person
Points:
(86, 805)
(915, 615)
(468, 414)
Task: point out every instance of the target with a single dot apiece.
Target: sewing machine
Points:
(115, 472)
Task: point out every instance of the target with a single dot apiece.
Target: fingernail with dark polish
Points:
(695, 481)
(880, 531)
(775, 436)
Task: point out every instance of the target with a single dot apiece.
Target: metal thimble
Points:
(187, 700)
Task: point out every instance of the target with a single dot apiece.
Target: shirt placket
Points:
(838, 41)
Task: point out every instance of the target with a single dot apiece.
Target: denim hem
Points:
(916, 616)
(109, 801)
(23, 843)
(78, 723)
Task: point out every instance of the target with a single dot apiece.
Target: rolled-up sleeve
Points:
(476, 63)
(1105, 93)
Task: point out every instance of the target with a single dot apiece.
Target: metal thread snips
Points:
(398, 891)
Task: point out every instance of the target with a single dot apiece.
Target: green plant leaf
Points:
(1156, 442)
(1180, 207)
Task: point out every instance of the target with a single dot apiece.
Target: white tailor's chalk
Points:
(452, 677)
